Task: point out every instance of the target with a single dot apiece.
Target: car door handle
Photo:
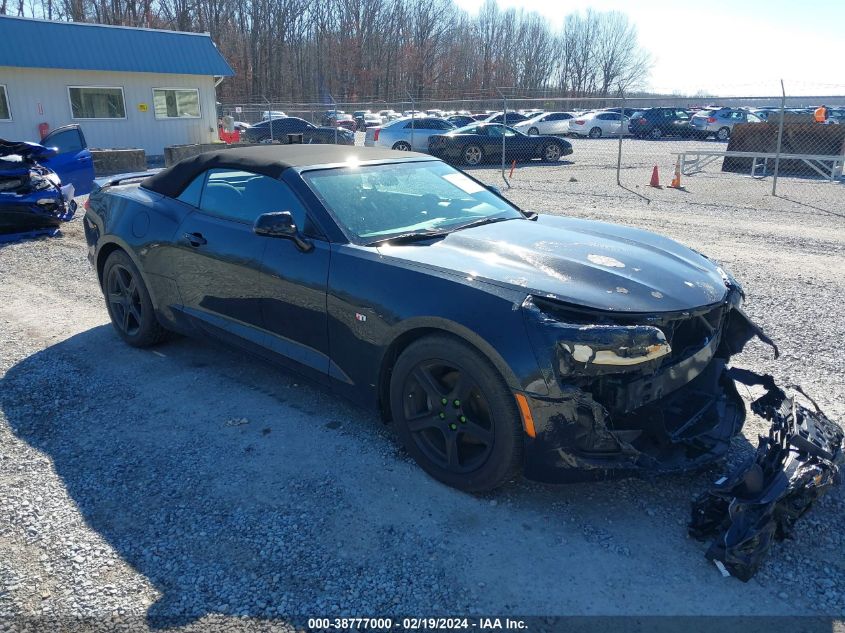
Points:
(195, 239)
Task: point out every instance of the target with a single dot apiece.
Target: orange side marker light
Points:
(525, 411)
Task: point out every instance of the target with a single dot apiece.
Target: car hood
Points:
(584, 262)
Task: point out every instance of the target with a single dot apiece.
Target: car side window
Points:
(191, 194)
(65, 141)
(242, 196)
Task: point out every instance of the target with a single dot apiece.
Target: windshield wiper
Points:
(481, 222)
(415, 236)
(418, 236)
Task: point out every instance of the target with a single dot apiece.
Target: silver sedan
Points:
(406, 134)
(554, 123)
(720, 122)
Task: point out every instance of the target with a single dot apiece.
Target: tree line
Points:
(367, 50)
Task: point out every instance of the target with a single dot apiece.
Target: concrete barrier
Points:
(118, 161)
(175, 153)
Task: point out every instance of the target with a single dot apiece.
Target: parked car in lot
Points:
(368, 119)
(486, 335)
(261, 132)
(721, 122)
(659, 122)
(546, 123)
(407, 133)
(346, 121)
(460, 120)
(272, 114)
(511, 118)
(481, 142)
(598, 124)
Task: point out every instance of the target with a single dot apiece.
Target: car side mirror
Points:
(280, 224)
(494, 189)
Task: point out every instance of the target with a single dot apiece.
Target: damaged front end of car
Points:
(632, 392)
(32, 197)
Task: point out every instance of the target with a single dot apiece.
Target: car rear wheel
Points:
(723, 134)
(595, 132)
(551, 153)
(455, 415)
(402, 146)
(655, 133)
(128, 301)
(472, 155)
(533, 131)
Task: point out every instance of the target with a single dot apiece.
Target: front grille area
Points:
(688, 334)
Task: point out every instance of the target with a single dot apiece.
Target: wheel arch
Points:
(110, 247)
(417, 329)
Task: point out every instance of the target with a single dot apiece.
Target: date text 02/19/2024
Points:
(416, 624)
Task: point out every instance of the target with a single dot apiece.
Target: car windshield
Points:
(375, 202)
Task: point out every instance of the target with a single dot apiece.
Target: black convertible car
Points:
(481, 142)
(494, 339)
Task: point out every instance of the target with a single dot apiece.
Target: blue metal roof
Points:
(28, 43)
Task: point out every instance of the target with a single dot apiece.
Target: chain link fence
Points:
(725, 150)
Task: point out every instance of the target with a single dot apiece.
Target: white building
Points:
(126, 87)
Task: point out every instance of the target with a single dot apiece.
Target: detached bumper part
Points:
(762, 499)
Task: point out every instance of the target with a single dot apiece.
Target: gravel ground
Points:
(189, 485)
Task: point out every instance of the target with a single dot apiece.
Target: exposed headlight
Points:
(593, 345)
(614, 345)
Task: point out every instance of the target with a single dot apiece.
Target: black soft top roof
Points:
(268, 160)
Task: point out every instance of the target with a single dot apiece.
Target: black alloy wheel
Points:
(455, 415)
(128, 302)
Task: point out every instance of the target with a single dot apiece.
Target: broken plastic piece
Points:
(762, 499)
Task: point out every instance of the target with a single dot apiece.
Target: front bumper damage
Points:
(656, 393)
(761, 500)
(629, 393)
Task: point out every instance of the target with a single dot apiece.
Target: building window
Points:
(5, 112)
(96, 102)
(176, 103)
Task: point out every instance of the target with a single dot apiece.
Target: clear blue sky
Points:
(727, 46)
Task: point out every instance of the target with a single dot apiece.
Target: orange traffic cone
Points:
(655, 178)
(676, 179)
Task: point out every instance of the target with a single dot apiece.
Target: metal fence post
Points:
(619, 151)
(334, 112)
(269, 117)
(413, 117)
(780, 138)
(504, 125)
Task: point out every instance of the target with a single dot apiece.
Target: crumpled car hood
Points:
(585, 262)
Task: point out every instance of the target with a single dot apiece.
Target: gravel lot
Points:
(191, 485)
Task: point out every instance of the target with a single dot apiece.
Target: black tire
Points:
(533, 131)
(655, 133)
(595, 133)
(551, 153)
(402, 146)
(482, 432)
(128, 302)
(472, 155)
(723, 134)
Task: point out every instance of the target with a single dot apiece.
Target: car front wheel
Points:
(551, 153)
(533, 131)
(472, 155)
(455, 415)
(128, 302)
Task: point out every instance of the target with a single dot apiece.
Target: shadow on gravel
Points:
(233, 502)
